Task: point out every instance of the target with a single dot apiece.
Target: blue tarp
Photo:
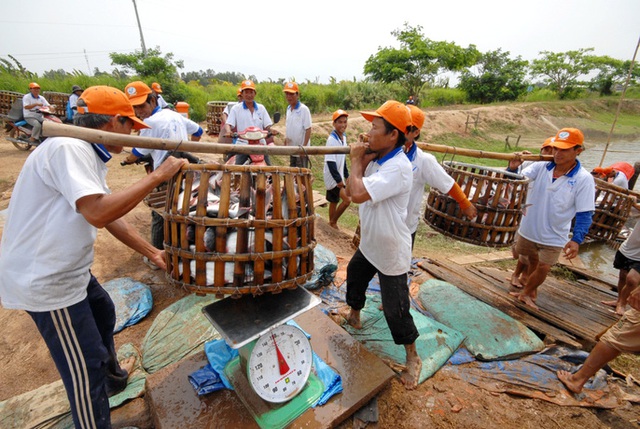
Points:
(325, 265)
(132, 299)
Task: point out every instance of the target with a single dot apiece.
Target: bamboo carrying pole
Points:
(52, 129)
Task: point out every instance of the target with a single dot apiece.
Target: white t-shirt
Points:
(338, 158)
(631, 246)
(161, 102)
(73, 102)
(555, 203)
(426, 171)
(385, 239)
(298, 122)
(27, 100)
(165, 124)
(241, 118)
(47, 246)
(621, 180)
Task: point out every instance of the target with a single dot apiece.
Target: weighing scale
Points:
(272, 374)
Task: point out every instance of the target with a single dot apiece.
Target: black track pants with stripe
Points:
(80, 340)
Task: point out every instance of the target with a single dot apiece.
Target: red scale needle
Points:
(282, 363)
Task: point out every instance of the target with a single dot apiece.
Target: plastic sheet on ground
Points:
(490, 334)
(132, 299)
(435, 344)
(180, 330)
(534, 376)
(325, 265)
(48, 407)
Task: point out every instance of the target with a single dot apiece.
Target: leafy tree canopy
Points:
(497, 78)
(418, 60)
(562, 70)
(153, 64)
(610, 72)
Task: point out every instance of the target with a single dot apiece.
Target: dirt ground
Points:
(440, 402)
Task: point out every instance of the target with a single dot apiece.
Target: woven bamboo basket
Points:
(6, 100)
(613, 206)
(498, 195)
(214, 116)
(59, 100)
(257, 236)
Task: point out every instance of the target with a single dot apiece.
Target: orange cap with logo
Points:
(33, 85)
(339, 113)
(394, 112)
(568, 138)
(137, 92)
(291, 87)
(156, 87)
(417, 116)
(547, 142)
(247, 84)
(105, 100)
(239, 92)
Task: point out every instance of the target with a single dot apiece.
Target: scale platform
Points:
(242, 320)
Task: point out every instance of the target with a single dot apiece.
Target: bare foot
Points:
(334, 226)
(354, 319)
(128, 363)
(568, 380)
(620, 309)
(610, 303)
(515, 281)
(526, 299)
(411, 375)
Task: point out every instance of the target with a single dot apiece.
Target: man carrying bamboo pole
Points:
(561, 190)
(59, 201)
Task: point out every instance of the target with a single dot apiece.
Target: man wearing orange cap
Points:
(31, 102)
(335, 170)
(427, 171)
(519, 275)
(380, 182)
(248, 114)
(561, 190)
(157, 90)
(298, 124)
(47, 251)
(164, 124)
(618, 174)
(225, 115)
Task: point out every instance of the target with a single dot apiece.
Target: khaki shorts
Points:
(624, 336)
(546, 254)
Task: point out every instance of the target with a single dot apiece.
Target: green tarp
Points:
(435, 344)
(490, 334)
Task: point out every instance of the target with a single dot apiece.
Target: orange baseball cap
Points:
(137, 92)
(605, 171)
(291, 87)
(156, 87)
(239, 92)
(417, 116)
(339, 113)
(247, 84)
(568, 138)
(33, 85)
(547, 142)
(394, 112)
(105, 100)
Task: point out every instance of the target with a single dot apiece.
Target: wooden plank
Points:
(482, 257)
(480, 289)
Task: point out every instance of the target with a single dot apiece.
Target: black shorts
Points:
(621, 262)
(333, 195)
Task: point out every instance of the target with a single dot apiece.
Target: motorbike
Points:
(19, 130)
(253, 135)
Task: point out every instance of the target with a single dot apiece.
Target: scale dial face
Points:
(280, 363)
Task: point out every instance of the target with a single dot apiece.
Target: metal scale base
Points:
(241, 321)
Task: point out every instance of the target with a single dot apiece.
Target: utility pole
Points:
(144, 48)
(87, 60)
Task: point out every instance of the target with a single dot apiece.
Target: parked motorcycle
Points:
(19, 130)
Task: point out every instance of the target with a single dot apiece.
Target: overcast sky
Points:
(304, 40)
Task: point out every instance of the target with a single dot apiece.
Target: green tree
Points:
(498, 78)
(418, 60)
(562, 70)
(153, 64)
(610, 72)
